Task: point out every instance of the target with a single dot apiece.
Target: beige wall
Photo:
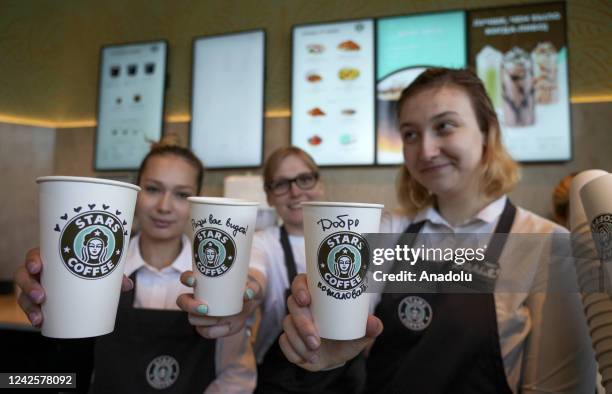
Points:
(25, 153)
(50, 49)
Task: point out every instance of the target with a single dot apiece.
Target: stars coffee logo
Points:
(343, 260)
(91, 243)
(214, 251)
(601, 228)
(162, 372)
(415, 313)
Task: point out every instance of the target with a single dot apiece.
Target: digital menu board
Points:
(130, 103)
(520, 53)
(228, 99)
(332, 106)
(405, 47)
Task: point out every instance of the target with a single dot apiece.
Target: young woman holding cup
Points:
(455, 178)
(291, 178)
(153, 345)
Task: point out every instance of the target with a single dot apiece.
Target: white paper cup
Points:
(598, 308)
(337, 260)
(605, 360)
(606, 376)
(602, 319)
(85, 228)
(222, 234)
(593, 298)
(577, 216)
(603, 346)
(596, 198)
(601, 333)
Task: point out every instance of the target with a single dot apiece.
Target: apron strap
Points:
(127, 299)
(288, 252)
(506, 220)
(504, 225)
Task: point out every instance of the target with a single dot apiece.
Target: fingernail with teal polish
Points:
(249, 293)
(190, 281)
(202, 309)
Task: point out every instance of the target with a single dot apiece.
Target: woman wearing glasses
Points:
(291, 177)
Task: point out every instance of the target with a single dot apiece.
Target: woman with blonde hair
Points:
(455, 177)
(291, 177)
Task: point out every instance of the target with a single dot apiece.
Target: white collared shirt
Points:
(159, 289)
(544, 338)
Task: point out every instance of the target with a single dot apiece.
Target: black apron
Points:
(152, 351)
(440, 343)
(276, 375)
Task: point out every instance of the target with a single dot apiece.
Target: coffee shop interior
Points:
(53, 118)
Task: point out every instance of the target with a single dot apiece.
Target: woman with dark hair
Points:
(455, 177)
(153, 346)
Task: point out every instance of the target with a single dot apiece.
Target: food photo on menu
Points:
(333, 92)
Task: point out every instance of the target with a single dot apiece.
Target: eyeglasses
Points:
(305, 181)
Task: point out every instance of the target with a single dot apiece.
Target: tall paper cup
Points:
(85, 228)
(222, 234)
(597, 201)
(577, 217)
(337, 260)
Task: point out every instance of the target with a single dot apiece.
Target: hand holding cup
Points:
(32, 295)
(216, 327)
(301, 342)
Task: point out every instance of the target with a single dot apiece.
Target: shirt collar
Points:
(135, 261)
(488, 214)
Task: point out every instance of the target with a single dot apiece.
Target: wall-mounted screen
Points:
(130, 103)
(406, 45)
(520, 53)
(228, 99)
(332, 101)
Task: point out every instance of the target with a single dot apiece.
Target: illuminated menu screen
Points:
(520, 53)
(130, 104)
(228, 99)
(406, 46)
(332, 110)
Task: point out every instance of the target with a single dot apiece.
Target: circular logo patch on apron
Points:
(415, 313)
(214, 251)
(162, 372)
